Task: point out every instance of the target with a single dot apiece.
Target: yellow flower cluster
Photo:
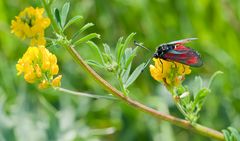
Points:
(39, 66)
(30, 24)
(171, 74)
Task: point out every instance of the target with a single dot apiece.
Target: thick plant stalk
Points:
(205, 131)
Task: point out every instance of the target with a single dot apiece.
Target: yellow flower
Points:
(57, 81)
(169, 73)
(38, 71)
(43, 85)
(38, 39)
(30, 24)
(39, 66)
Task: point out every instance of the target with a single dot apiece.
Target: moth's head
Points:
(163, 47)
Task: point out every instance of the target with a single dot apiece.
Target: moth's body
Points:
(161, 50)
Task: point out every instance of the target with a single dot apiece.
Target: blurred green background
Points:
(29, 114)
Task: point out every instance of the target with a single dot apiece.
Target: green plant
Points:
(120, 64)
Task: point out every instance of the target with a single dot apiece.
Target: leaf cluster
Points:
(191, 105)
(119, 62)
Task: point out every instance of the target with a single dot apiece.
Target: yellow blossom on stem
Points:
(30, 24)
(39, 66)
(43, 85)
(171, 74)
(57, 81)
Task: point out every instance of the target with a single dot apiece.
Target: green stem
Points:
(205, 131)
(121, 85)
(181, 109)
(84, 94)
(50, 15)
(177, 102)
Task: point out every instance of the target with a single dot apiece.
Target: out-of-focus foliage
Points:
(231, 134)
(29, 114)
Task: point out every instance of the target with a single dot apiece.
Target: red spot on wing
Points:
(175, 57)
(192, 60)
(169, 55)
(182, 56)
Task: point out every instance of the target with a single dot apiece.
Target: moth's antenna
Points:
(140, 45)
(149, 60)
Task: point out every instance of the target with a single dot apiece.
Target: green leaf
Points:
(134, 75)
(128, 52)
(128, 40)
(108, 52)
(130, 58)
(214, 76)
(226, 134)
(231, 134)
(199, 82)
(234, 133)
(72, 21)
(199, 79)
(86, 38)
(94, 46)
(85, 27)
(107, 58)
(94, 63)
(122, 48)
(107, 49)
(200, 97)
(180, 90)
(118, 48)
(125, 73)
(64, 13)
(57, 17)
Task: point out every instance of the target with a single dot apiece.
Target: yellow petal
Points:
(53, 59)
(43, 85)
(56, 82)
(168, 72)
(54, 70)
(187, 70)
(38, 71)
(30, 77)
(155, 73)
(20, 67)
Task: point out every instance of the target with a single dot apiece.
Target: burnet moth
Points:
(178, 52)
